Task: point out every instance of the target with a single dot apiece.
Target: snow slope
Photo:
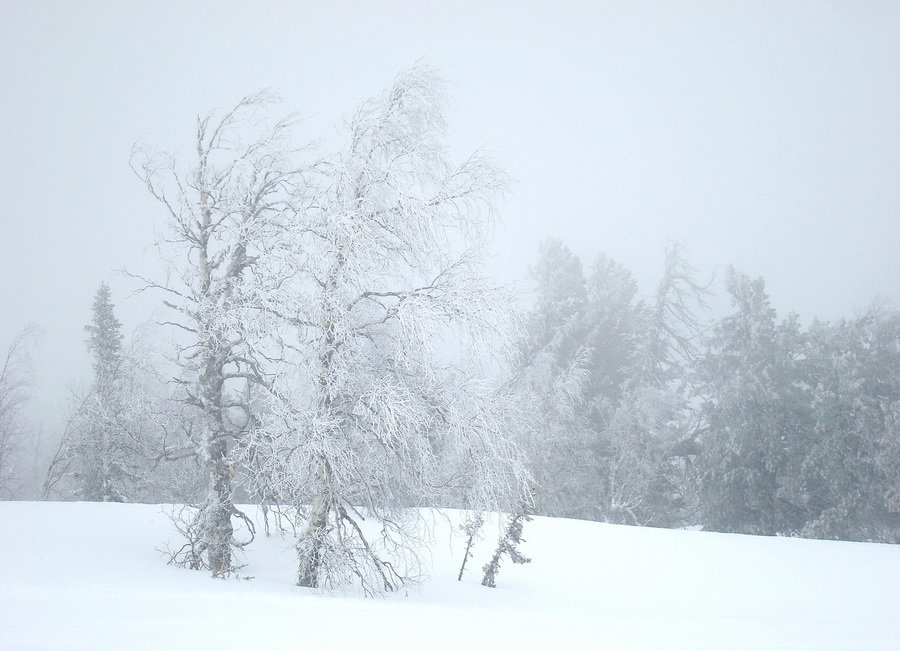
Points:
(88, 576)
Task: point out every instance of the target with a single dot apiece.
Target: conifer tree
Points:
(105, 463)
(105, 340)
(104, 469)
(850, 473)
(509, 543)
(757, 417)
(101, 453)
(608, 370)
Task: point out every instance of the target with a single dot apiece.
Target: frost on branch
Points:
(225, 215)
(471, 527)
(370, 413)
(509, 544)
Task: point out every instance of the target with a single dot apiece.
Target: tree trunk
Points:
(219, 508)
(218, 530)
(311, 547)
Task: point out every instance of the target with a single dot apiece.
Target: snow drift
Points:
(90, 576)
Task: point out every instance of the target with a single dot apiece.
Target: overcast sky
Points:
(760, 134)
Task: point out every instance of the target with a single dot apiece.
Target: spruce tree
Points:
(98, 457)
(849, 478)
(755, 386)
(103, 452)
(105, 340)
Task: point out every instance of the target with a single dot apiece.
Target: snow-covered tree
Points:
(797, 434)
(652, 430)
(508, 544)
(608, 372)
(103, 451)
(14, 384)
(616, 320)
(850, 473)
(757, 420)
(550, 380)
(380, 402)
(222, 214)
(671, 342)
(105, 339)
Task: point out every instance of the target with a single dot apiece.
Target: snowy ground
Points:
(88, 576)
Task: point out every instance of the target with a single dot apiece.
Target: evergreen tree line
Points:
(749, 424)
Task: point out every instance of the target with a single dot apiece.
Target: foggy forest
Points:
(316, 381)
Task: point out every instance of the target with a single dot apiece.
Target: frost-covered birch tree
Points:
(380, 403)
(221, 213)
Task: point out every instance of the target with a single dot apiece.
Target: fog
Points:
(756, 134)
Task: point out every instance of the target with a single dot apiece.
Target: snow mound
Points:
(89, 576)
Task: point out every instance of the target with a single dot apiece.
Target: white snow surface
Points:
(89, 576)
